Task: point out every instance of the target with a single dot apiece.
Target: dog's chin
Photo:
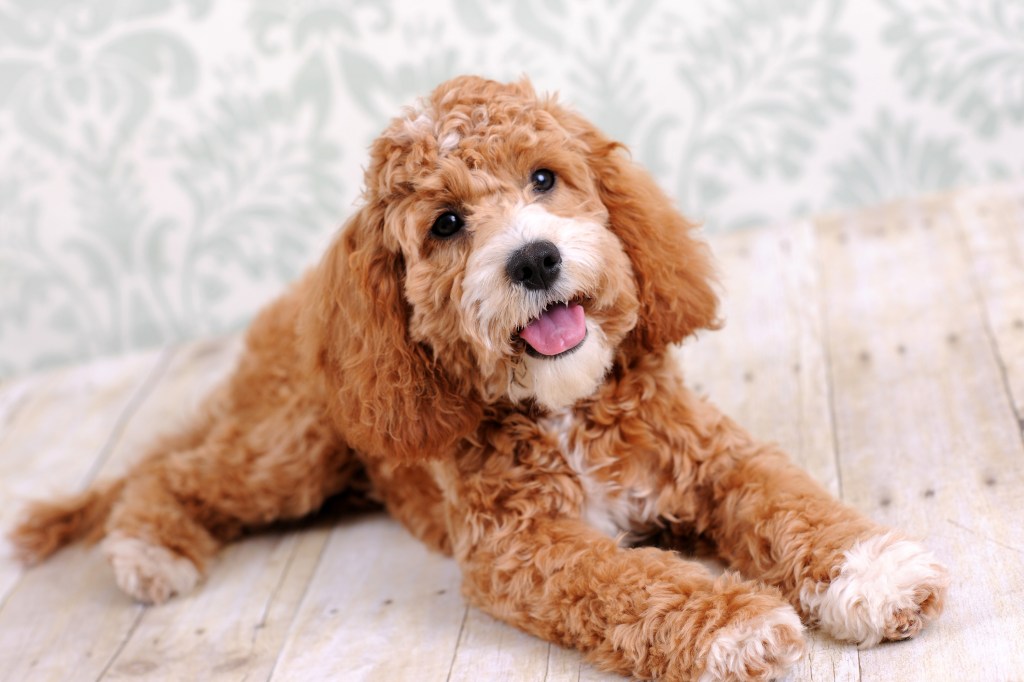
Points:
(559, 381)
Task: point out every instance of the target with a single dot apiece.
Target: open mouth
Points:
(558, 331)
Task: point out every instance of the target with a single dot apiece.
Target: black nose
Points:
(535, 265)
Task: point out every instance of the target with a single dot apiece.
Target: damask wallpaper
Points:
(166, 166)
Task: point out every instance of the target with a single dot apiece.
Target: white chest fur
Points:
(620, 511)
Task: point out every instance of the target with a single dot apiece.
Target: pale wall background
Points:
(167, 166)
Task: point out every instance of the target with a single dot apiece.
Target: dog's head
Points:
(506, 250)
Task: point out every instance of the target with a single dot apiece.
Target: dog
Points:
(487, 349)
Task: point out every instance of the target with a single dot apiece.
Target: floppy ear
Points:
(673, 268)
(387, 395)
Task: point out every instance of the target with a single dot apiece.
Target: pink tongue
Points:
(558, 329)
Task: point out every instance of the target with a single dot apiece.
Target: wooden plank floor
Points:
(884, 349)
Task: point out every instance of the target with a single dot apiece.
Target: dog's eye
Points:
(543, 179)
(447, 224)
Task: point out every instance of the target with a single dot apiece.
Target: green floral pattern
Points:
(166, 166)
(967, 55)
(895, 160)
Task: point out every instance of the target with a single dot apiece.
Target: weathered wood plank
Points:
(67, 421)
(568, 665)
(380, 606)
(76, 586)
(500, 652)
(767, 369)
(991, 223)
(489, 649)
(66, 417)
(927, 437)
(56, 426)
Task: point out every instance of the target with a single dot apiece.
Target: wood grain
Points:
(991, 227)
(927, 435)
(62, 427)
(379, 606)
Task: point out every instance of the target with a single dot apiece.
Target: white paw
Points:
(759, 649)
(886, 588)
(148, 572)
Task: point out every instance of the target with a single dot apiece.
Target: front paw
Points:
(885, 588)
(760, 648)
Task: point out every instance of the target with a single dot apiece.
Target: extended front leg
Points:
(862, 582)
(673, 458)
(643, 612)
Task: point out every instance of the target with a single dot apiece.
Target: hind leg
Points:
(178, 507)
(261, 449)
